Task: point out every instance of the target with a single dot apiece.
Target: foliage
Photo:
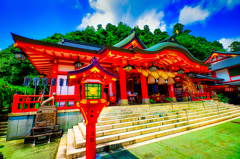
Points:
(199, 47)
(222, 98)
(235, 46)
(151, 101)
(7, 91)
(168, 99)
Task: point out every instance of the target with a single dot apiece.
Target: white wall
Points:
(235, 78)
(65, 90)
(223, 74)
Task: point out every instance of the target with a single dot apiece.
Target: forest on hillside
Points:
(12, 72)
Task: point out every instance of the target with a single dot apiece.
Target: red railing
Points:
(201, 96)
(30, 103)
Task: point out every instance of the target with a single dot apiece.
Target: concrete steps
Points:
(3, 128)
(118, 127)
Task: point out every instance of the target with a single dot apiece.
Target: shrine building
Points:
(143, 73)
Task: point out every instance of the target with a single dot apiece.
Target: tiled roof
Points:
(232, 61)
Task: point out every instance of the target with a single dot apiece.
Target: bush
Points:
(7, 91)
(222, 98)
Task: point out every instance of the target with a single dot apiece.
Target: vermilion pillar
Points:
(77, 88)
(145, 98)
(91, 132)
(171, 92)
(54, 75)
(83, 91)
(185, 96)
(123, 89)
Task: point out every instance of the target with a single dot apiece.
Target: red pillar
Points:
(91, 133)
(114, 88)
(53, 89)
(145, 98)
(171, 92)
(123, 89)
(83, 91)
(185, 96)
(77, 88)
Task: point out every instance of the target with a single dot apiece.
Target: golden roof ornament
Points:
(177, 31)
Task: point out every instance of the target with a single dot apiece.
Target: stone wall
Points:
(20, 124)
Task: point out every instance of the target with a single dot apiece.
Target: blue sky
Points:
(37, 19)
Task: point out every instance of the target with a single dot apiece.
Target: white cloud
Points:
(114, 11)
(0, 49)
(152, 19)
(106, 11)
(219, 5)
(228, 41)
(190, 15)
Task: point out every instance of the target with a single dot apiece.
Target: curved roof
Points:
(161, 45)
(125, 41)
(169, 45)
(133, 35)
(221, 52)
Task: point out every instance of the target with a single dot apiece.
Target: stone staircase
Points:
(3, 128)
(120, 126)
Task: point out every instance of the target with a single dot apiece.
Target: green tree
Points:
(234, 46)
(179, 27)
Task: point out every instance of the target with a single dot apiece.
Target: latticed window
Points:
(234, 71)
(92, 91)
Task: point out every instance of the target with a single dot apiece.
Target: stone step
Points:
(3, 123)
(3, 129)
(121, 133)
(3, 133)
(78, 137)
(3, 126)
(129, 127)
(107, 122)
(152, 120)
(106, 127)
(144, 109)
(71, 151)
(121, 115)
(80, 152)
(62, 148)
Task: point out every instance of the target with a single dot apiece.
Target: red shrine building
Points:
(226, 66)
(166, 69)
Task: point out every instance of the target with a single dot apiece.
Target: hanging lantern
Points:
(128, 68)
(19, 55)
(180, 71)
(54, 81)
(42, 75)
(36, 81)
(190, 74)
(45, 81)
(61, 82)
(27, 81)
(153, 68)
(78, 64)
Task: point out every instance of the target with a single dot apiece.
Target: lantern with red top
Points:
(93, 78)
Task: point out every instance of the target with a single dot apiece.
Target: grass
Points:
(16, 149)
(220, 141)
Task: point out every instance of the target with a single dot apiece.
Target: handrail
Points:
(180, 106)
(27, 103)
(214, 104)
